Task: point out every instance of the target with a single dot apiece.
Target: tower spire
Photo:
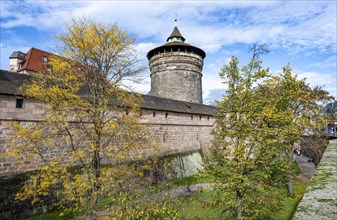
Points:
(175, 36)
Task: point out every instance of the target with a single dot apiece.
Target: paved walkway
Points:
(306, 167)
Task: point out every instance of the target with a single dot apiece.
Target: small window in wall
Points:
(166, 115)
(191, 117)
(154, 114)
(200, 117)
(126, 111)
(207, 118)
(48, 69)
(19, 103)
(45, 59)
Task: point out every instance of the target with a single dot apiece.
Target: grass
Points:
(55, 215)
(290, 203)
(194, 208)
(190, 180)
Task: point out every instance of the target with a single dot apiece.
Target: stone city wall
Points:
(177, 134)
(320, 198)
(171, 132)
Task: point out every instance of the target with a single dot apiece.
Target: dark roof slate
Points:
(176, 33)
(158, 103)
(11, 81)
(18, 54)
(174, 45)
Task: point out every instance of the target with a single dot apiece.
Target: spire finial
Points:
(176, 19)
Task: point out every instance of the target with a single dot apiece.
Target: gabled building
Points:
(34, 60)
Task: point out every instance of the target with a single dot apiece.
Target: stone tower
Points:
(176, 69)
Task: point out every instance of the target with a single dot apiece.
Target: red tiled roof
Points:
(34, 60)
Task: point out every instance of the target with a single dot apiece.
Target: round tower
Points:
(176, 69)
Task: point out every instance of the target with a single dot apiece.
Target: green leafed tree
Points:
(303, 108)
(258, 122)
(88, 132)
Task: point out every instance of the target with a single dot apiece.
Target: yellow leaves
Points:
(85, 123)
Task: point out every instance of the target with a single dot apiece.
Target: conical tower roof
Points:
(176, 34)
(175, 42)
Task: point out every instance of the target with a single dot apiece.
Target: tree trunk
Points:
(290, 188)
(96, 188)
(239, 209)
(290, 184)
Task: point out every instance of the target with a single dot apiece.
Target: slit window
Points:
(154, 114)
(19, 103)
(166, 115)
(200, 117)
(191, 117)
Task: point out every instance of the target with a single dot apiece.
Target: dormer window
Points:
(45, 59)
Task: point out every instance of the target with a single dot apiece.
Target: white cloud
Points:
(207, 24)
(305, 28)
(318, 79)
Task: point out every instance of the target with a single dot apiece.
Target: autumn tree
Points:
(244, 158)
(89, 118)
(258, 121)
(303, 106)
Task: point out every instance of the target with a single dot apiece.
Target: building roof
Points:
(18, 54)
(34, 60)
(11, 81)
(176, 33)
(179, 45)
(158, 103)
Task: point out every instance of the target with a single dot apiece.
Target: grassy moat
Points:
(194, 207)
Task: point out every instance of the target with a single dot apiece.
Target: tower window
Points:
(19, 103)
(166, 115)
(154, 114)
(45, 59)
(200, 117)
(191, 117)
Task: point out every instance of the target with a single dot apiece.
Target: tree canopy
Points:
(88, 132)
(259, 119)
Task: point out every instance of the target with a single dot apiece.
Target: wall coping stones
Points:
(320, 199)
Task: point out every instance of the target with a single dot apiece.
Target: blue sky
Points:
(301, 33)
